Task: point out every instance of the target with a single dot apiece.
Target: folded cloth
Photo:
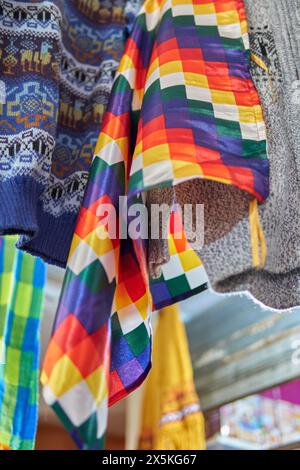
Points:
(58, 60)
(23, 278)
(171, 415)
(275, 43)
(183, 106)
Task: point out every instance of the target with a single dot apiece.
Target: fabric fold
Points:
(183, 106)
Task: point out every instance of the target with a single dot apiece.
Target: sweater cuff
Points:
(54, 237)
(18, 206)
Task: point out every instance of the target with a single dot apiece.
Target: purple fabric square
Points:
(121, 102)
(159, 292)
(87, 302)
(131, 372)
(153, 109)
(97, 186)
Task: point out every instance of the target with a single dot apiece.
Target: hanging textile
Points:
(180, 55)
(58, 60)
(171, 416)
(24, 277)
(7, 256)
(275, 47)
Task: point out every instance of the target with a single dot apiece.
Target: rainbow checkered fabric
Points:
(183, 106)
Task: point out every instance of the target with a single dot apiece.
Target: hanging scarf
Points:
(22, 281)
(185, 56)
(171, 417)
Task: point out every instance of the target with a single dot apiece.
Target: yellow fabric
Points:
(4, 447)
(171, 416)
(258, 242)
(259, 62)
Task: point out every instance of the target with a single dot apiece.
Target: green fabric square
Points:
(233, 43)
(228, 128)
(208, 31)
(252, 148)
(88, 430)
(201, 108)
(116, 329)
(136, 180)
(22, 298)
(27, 363)
(138, 339)
(184, 20)
(174, 93)
(13, 358)
(121, 85)
(63, 417)
(178, 285)
(18, 325)
(97, 167)
(94, 277)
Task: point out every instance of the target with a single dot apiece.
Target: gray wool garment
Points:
(274, 27)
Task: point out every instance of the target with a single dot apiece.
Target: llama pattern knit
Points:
(57, 64)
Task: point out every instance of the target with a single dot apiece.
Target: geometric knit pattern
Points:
(58, 61)
(23, 278)
(183, 106)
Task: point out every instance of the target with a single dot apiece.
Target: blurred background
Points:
(246, 362)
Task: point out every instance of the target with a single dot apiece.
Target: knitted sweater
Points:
(58, 60)
(275, 40)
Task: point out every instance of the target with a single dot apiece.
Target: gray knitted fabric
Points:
(274, 27)
(274, 37)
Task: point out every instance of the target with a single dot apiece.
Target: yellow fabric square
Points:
(196, 79)
(170, 67)
(23, 299)
(102, 141)
(64, 376)
(142, 306)
(189, 260)
(4, 437)
(126, 64)
(244, 27)
(205, 9)
(138, 149)
(182, 169)
(13, 358)
(246, 114)
(150, 6)
(156, 154)
(6, 280)
(181, 2)
(97, 385)
(154, 66)
(75, 242)
(258, 113)
(98, 245)
(172, 246)
(223, 97)
(228, 17)
(97, 242)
